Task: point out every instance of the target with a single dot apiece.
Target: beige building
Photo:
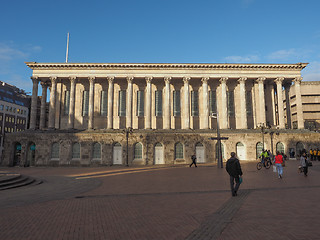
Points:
(161, 113)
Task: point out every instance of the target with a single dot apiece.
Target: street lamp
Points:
(220, 163)
(127, 131)
(262, 127)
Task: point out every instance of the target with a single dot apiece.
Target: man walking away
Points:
(193, 158)
(234, 169)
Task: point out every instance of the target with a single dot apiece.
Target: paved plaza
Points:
(161, 202)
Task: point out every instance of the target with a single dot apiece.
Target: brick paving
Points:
(161, 203)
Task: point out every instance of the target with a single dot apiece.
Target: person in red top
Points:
(278, 160)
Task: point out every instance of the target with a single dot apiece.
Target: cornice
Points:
(219, 66)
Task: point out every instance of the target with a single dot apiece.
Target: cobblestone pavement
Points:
(161, 203)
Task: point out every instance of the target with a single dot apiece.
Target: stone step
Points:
(9, 181)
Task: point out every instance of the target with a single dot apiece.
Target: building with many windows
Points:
(14, 111)
(105, 114)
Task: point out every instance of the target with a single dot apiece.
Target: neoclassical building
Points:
(107, 113)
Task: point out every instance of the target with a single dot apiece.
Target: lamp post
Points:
(262, 127)
(220, 163)
(127, 131)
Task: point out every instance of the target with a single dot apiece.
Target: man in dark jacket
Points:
(234, 169)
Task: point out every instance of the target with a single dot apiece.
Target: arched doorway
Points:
(31, 153)
(200, 153)
(299, 148)
(158, 154)
(17, 154)
(117, 154)
(241, 151)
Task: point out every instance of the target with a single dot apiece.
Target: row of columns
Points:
(223, 115)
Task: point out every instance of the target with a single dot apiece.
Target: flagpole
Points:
(67, 49)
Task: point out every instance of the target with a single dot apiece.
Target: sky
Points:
(157, 31)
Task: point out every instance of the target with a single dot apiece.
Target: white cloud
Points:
(285, 54)
(242, 59)
(8, 53)
(312, 72)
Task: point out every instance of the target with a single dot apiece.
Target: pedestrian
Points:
(304, 163)
(234, 169)
(314, 154)
(318, 154)
(193, 158)
(278, 160)
(311, 154)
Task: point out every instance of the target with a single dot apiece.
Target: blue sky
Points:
(166, 31)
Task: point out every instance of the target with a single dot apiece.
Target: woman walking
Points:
(304, 163)
(278, 160)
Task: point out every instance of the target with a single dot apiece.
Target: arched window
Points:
(259, 148)
(76, 150)
(178, 151)
(138, 151)
(299, 148)
(55, 150)
(280, 147)
(96, 152)
(241, 151)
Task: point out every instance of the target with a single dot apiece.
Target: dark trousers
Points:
(193, 162)
(305, 170)
(234, 188)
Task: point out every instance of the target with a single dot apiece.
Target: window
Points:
(76, 150)
(212, 102)
(140, 103)
(158, 101)
(249, 103)
(178, 151)
(176, 103)
(122, 103)
(194, 103)
(280, 147)
(138, 151)
(85, 103)
(259, 148)
(1, 107)
(104, 103)
(55, 150)
(230, 98)
(66, 102)
(96, 152)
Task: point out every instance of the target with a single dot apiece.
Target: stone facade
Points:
(164, 111)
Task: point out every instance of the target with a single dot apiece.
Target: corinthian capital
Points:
(223, 80)
(53, 79)
(35, 79)
(148, 79)
(129, 79)
(92, 79)
(44, 84)
(167, 79)
(279, 80)
(186, 80)
(204, 80)
(110, 79)
(261, 79)
(297, 80)
(242, 79)
(72, 79)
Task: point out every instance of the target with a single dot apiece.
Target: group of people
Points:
(314, 154)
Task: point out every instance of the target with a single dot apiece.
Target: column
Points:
(129, 103)
(43, 105)
(167, 108)
(34, 100)
(148, 104)
(110, 103)
(279, 81)
(297, 83)
(91, 102)
(224, 108)
(205, 104)
(186, 107)
(72, 102)
(287, 87)
(243, 107)
(52, 104)
(262, 107)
